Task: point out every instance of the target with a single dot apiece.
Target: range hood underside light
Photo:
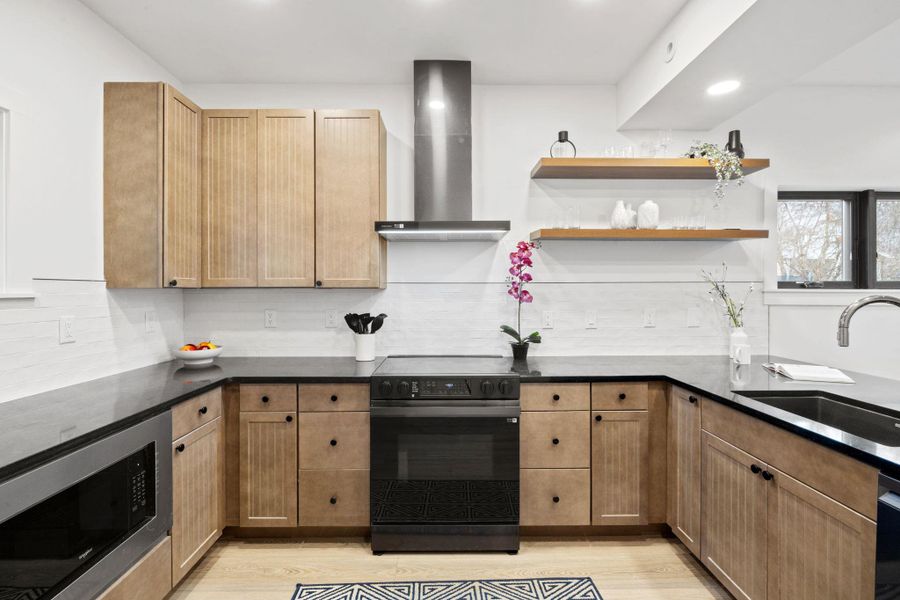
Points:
(444, 231)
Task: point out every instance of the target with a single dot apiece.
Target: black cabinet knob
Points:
(556, 499)
(755, 469)
(598, 418)
(333, 500)
(318, 284)
(767, 476)
(265, 399)
(555, 397)
(333, 442)
(622, 396)
(173, 283)
(334, 398)
(179, 448)
(289, 418)
(203, 410)
(692, 399)
(556, 441)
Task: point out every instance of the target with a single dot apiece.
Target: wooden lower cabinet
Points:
(817, 548)
(268, 469)
(555, 497)
(149, 579)
(683, 489)
(334, 498)
(555, 440)
(198, 488)
(619, 467)
(734, 526)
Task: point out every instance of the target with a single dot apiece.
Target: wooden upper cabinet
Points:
(287, 198)
(151, 186)
(684, 468)
(229, 207)
(350, 197)
(619, 467)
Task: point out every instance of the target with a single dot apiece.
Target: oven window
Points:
(48, 545)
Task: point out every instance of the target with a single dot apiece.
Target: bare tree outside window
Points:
(887, 236)
(814, 240)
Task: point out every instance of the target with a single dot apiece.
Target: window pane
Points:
(814, 240)
(887, 230)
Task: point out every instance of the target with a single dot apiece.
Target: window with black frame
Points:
(838, 239)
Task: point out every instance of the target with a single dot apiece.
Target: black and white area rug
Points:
(548, 588)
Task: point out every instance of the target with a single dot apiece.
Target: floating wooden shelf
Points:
(648, 234)
(634, 168)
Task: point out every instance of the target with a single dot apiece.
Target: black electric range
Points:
(445, 454)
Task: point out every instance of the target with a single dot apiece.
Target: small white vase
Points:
(620, 219)
(632, 217)
(365, 346)
(648, 215)
(738, 337)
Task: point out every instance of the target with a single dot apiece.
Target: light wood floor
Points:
(622, 568)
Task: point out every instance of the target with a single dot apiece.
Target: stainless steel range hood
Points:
(443, 159)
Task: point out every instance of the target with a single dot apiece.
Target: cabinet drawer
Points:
(266, 398)
(327, 397)
(149, 579)
(334, 440)
(555, 440)
(555, 497)
(334, 498)
(556, 396)
(619, 396)
(198, 411)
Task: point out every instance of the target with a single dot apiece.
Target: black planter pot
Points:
(734, 143)
(520, 351)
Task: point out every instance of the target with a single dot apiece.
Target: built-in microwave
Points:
(72, 526)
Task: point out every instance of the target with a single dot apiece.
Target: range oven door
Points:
(450, 470)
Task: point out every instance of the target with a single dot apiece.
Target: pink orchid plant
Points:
(520, 262)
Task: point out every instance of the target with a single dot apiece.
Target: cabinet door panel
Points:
(684, 468)
(733, 536)
(338, 440)
(818, 548)
(619, 465)
(286, 197)
(350, 197)
(555, 497)
(181, 192)
(334, 498)
(229, 198)
(197, 492)
(555, 440)
(268, 469)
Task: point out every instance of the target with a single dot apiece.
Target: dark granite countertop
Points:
(41, 426)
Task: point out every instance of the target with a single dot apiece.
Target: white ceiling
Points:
(870, 62)
(375, 41)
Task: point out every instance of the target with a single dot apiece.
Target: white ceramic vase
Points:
(738, 337)
(620, 219)
(648, 215)
(632, 217)
(365, 346)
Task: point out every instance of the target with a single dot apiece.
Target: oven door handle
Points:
(464, 412)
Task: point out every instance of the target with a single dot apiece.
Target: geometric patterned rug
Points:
(545, 588)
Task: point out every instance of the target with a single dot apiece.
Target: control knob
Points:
(487, 388)
(403, 389)
(505, 387)
(385, 388)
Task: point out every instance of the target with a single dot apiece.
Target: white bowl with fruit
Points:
(198, 355)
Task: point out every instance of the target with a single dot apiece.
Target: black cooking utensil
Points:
(378, 321)
(366, 320)
(352, 320)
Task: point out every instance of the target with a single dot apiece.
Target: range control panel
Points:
(445, 387)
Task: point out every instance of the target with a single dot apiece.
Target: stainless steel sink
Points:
(862, 420)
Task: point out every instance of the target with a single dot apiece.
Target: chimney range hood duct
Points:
(443, 159)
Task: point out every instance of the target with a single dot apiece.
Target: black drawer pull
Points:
(755, 469)
(173, 283)
(333, 500)
(556, 499)
(334, 398)
(555, 397)
(318, 284)
(598, 418)
(767, 476)
(622, 396)
(556, 441)
(265, 398)
(692, 399)
(289, 418)
(334, 442)
(203, 410)
(179, 448)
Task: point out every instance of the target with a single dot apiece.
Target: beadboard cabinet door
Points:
(286, 198)
(350, 197)
(268, 469)
(229, 222)
(684, 468)
(619, 467)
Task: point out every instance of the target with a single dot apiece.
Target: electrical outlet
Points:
(649, 317)
(590, 319)
(269, 318)
(66, 330)
(547, 319)
(693, 317)
(150, 321)
(331, 318)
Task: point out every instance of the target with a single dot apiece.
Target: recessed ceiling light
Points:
(436, 105)
(723, 87)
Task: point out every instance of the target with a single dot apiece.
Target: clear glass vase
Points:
(563, 147)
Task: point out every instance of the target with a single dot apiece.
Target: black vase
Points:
(520, 351)
(734, 143)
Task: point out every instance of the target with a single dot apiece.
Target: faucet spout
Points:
(843, 333)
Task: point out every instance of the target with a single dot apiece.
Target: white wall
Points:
(451, 297)
(827, 138)
(56, 54)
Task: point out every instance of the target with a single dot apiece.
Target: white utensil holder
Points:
(365, 346)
